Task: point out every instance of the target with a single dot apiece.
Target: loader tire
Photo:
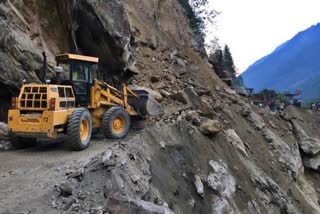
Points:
(116, 123)
(79, 129)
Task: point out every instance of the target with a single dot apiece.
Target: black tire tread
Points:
(106, 128)
(73, 139)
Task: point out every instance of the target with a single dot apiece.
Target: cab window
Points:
(80, 72)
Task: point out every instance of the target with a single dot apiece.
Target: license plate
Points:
(29, 120)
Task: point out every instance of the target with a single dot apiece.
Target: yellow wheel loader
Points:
(74, 103)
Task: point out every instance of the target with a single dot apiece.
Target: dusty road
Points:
(27, 176)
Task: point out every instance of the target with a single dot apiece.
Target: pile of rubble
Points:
(116, 181)
(5, 144)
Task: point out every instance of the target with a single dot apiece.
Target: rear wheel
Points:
(79, 129)
(116, 123)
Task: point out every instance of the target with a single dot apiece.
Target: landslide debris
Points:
(208, 151)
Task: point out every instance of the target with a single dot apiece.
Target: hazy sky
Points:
(254, 28)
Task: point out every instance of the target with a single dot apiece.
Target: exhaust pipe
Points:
(44, 68)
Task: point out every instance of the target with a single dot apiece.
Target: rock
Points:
(76, 206)
(191, 114)
(312, 162)
(68, 204)
(159, 85)
(192, 202)
(220, 206)
(308, 144)
(244, 111)
(195, 101)
(220, 180)
(210, 127)
(236, 141)
(256, 120)
(99, 210)
(66, 188)
(135, 178)
(4, 132)
(180, 62)
(199, 185)
(271, 192)
(154, 79)
(183, 115)
(171, 78)
(181, 97)
(135, 206)
(196, 121)
(165, 93)
(227, 112)
(289, 154)
(230, 91)
(173, 54)
(162, 144)
(109, 163)
(203, 91)
(77, 174)
(291, 113)
(106, 156)
(253, 207)
(5, 145)
(241, 91)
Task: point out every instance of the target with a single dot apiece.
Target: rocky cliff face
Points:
(208, 151)
(109, 30)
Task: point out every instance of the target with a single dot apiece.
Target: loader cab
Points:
(78, 71)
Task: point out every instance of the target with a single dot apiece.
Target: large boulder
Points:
(221, 205)
(199, 185)
(270, 192)
(210, 127)
(220, 180)
(308, 144)
(256, 120)
(312, 162)
(236, 141)
(288, 155)
(135, 206)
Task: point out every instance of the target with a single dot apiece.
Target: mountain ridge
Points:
(288, 63)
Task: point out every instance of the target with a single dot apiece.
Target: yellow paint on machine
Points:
(45, 124)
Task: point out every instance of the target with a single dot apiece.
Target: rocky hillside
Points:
(208, 151)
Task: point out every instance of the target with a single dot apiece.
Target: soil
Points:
(28, 176)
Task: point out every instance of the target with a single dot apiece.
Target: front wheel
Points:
(79, 129)
(116, 123)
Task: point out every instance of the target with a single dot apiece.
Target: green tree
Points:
(282, 98)
(199, 15)
(238, 81)
(228, 64)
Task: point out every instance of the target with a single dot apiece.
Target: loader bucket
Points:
(145, 104)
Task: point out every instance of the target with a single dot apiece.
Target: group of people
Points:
(277, 106)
